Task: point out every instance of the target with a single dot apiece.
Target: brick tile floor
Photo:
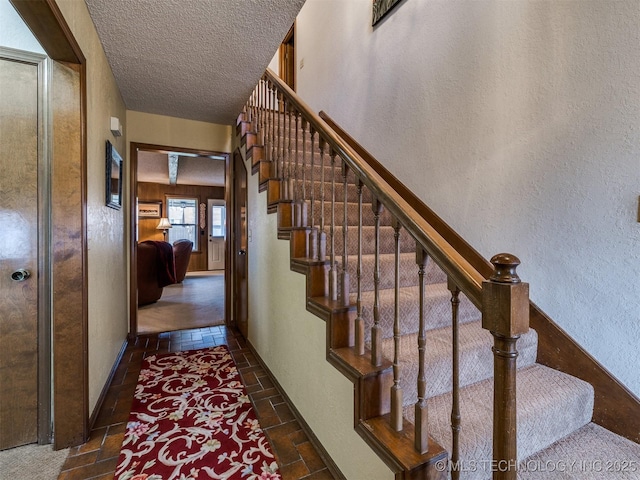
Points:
(96, 459)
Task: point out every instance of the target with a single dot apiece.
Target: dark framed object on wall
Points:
(149, 209)
(381, 8)
(113, 177)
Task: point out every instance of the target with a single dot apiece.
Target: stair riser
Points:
(408, 272)
(387, 242)
(476, 359)
(368, 217)
(437, 308)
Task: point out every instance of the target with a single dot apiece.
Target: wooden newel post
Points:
(505, 313)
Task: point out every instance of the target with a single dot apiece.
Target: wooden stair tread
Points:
(360, 365)
(397, 448)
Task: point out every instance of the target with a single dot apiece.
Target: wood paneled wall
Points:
(156, 192)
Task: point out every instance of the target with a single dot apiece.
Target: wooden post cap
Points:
(504, 265)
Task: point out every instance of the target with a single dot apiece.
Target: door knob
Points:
(20, 275)
(242, 252)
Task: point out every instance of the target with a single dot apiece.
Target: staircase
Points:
(412, 323)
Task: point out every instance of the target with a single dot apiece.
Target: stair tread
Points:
(476, 358)
(551, 405)
(591, 452)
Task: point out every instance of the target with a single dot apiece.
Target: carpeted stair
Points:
(554, 409)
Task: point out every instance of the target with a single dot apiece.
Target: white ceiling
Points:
(195, 59)
(153, 167)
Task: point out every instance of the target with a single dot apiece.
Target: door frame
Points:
(232, 218)
(134, 148)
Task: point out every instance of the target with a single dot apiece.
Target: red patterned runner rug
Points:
(191, 419)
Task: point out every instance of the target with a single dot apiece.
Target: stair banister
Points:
(468, 279)
(505, 314)
(503, 300)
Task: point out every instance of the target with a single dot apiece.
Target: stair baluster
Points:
(396, 390)
(297, 210)
(285, 139)
(333, 274)
(254, 111)
(376, 330)
(288, 188)
(344, 287)
(313, 234)
(455, 393)
(261, 112)
(272, 131)
(322, 236)
(505, 313)
(303, 200)
(421, 439)
(278, 135)
(359, 327)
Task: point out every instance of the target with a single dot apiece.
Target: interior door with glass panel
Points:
(217, 233)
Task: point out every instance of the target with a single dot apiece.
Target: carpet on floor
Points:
(196, 302)
(191, 418)
(35, 462)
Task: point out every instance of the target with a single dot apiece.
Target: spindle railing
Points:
(307, 174)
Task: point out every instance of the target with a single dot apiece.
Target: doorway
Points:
(167, 210)
(288, 58)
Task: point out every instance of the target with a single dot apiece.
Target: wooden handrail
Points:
(465, 276)
(465, 268)
(615, 407)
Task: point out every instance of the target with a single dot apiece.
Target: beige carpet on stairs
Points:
(590, 453)
(196, 302)
(33, 462)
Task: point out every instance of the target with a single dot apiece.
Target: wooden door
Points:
(18, 253)
(288, 59)
(240, 300)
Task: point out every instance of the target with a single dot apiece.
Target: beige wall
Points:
(107, 267)
(177, 132)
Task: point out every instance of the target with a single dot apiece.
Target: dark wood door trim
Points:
(134, 148)
(287, 58)
(239, 242)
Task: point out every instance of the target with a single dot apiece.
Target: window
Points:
(183, 216)
(218, 215)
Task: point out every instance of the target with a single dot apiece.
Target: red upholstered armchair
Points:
(156, 270)
(182, 253)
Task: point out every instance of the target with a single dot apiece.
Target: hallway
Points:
(97, 458)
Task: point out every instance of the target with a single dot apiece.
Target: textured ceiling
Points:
(195, 59)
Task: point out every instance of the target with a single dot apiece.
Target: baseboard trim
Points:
(326, 458)
(105, 388)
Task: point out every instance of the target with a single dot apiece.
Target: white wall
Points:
(292, 342)
(519, 123)
(13, 31)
